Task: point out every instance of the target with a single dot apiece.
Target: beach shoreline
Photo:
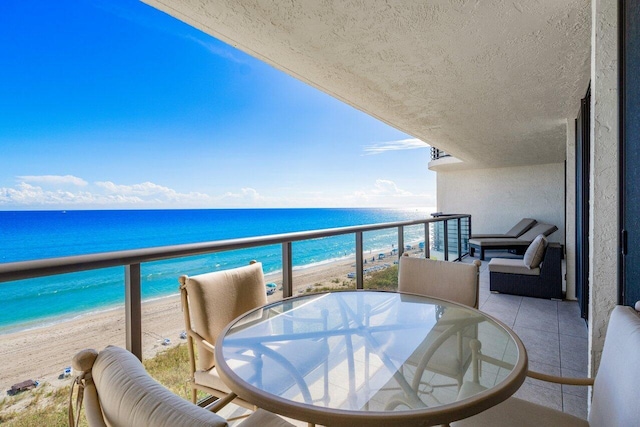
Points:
(41, 353)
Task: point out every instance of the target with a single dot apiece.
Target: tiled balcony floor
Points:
(556, 341)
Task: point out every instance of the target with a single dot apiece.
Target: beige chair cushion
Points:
(452, 281)
(511, 266)
(211, 379)
(535, 252)
(215, 299)
(520, 413)
(616, 395)
(499, 242)
(130, 397)
(262, 418)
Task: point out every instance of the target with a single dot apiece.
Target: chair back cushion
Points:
(215, 299)
(518, 229)
(616, 395)
(535, 252)
(130, 397)
(453, 281)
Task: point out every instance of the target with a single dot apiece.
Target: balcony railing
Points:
(449, 236)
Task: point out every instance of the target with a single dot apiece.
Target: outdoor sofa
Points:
(517, 244)
(538, 274)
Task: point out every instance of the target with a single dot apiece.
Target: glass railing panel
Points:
(325, 264)
(54, 299)
(465, 232)
(43, 319)
(452, 236)
(414, 240)
(380, 254)
(436, 239)
(160, 278)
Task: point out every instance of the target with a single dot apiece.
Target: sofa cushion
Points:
(499, 242)
(511, 266)
(535, 252)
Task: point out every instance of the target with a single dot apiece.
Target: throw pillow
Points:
(535, 252)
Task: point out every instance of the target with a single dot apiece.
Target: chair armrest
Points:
(201, 340)
(220, 403)
(560, 380)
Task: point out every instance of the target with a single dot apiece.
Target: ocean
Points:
(30, 235)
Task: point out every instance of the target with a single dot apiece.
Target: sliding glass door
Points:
(583, 170)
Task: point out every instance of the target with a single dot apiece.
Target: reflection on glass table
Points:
(366, 357)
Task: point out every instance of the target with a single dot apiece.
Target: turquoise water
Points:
(29, 235)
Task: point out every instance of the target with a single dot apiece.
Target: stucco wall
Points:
(570, 247)
(498, 198)
(603, 221)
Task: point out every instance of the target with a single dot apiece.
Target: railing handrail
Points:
(133, 258)
(52, 266)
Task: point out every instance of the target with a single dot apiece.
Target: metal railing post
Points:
(400, 241)
(427, 243)
(287, 270)
(459, 240)
(359, 261)
(446, 240)
(133, 309)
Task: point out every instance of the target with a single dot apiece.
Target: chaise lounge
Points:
(518, 244)
(517, 230)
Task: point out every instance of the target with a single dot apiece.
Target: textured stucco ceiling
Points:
(490, 82)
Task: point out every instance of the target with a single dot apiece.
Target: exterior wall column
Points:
(603, 219)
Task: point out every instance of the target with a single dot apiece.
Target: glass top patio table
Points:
(370, 358)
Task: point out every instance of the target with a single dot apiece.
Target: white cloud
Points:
(53, 179)
(149, 195)
(383, 193)
(388, 188)
(216, 50)
(402, 144)
(245, 195)
(146, 194)
(386, 193)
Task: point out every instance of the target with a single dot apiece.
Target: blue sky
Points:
(111, 104)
